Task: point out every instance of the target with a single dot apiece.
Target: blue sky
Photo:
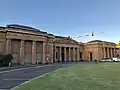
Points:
(66, 17)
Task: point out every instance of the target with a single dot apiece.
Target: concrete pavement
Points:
(12, 78)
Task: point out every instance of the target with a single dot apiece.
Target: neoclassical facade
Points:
(97, 50)
(118, 50)
(67, 49)
(31, 46)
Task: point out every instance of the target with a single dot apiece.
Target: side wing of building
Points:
(97, 50)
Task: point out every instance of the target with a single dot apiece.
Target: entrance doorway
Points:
(62, 54)
(62, 57)
(91, 56)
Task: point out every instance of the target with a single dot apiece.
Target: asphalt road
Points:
(11, 79)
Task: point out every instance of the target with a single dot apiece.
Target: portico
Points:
(26, 52)
(65, 53)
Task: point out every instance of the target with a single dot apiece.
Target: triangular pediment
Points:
(65, 40)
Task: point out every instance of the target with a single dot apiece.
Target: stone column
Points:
(55, 54)
(60, 56)
(104, 54)
(108, 52)
(78, 55)
(51, 53)
(44, 53)
(8, 46)
(33, 52)
(69, 54)
(74, 54)
(111, 53)
(22, 52)
(65, 54)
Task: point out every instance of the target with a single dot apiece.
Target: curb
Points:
(18, 67)
(24, 68)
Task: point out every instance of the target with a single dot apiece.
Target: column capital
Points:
(34, 43)
(22, 42)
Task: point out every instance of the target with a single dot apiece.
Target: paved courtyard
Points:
(13, 78)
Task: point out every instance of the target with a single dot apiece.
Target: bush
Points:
(5, 59)
(1, 59)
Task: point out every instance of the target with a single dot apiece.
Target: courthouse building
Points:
(31, 46)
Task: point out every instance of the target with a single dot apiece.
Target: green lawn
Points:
(103, 76)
